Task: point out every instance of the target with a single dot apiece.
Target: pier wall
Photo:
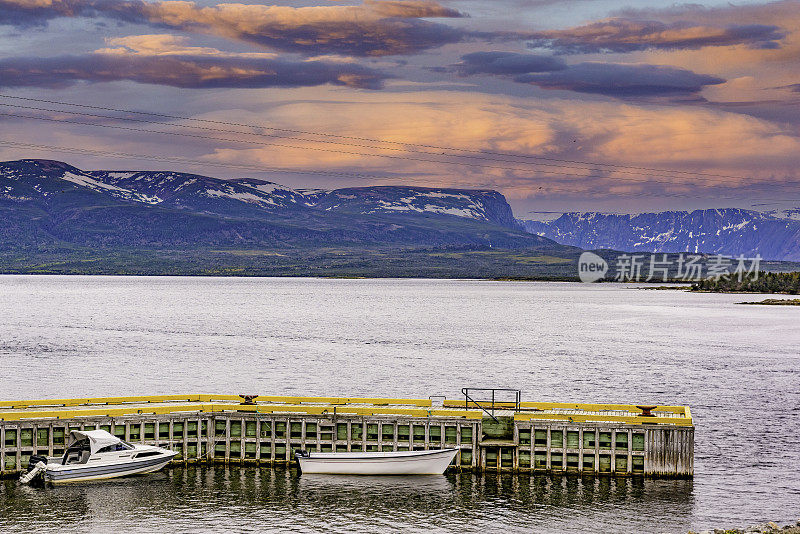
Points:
(270, 433)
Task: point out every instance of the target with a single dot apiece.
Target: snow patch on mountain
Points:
(244, 197)
(149, 199)
(268, 187)
(439, 194)
(91, 183)
(186, 183)
(406, 204)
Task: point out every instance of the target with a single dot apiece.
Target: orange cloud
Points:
(691, 141)
(755, 152)
(374, 28)
(169, 45)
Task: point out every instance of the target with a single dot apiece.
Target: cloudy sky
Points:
(559, 104)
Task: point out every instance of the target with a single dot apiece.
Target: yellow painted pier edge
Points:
(540, 437)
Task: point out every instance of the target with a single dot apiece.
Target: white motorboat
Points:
(431, 462)
(96, 455)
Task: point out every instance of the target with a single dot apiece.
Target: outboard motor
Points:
(35, 459)
(36, 466)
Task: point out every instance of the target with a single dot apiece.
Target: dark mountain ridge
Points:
(47, 203)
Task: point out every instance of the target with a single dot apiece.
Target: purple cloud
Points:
(506, 63)
(621, 80)
(191, 72)
(624, 35)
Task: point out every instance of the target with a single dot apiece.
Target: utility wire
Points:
(171, 159)
(372, 140)
(312, 172)
(264, 143)
(372, 147)
(276, 144)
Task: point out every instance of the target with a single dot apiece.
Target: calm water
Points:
(737, 366)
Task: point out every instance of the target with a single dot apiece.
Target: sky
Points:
(561, 105)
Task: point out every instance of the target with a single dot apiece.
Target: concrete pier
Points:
(593, 439)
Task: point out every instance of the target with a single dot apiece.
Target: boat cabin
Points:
(83, 444)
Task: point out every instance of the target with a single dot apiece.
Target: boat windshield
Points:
(121, 446)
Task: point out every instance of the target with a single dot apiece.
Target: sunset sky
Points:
(559, 104)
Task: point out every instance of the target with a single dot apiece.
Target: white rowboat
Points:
(432, 462)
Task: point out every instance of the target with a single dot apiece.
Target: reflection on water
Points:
(330, 484)
(247, 499)
(736, 366)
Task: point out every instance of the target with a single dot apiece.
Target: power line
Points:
(170, 159)
(372, 147)
(648, 180)
(372, 140)
(276, 144)
(263, 143)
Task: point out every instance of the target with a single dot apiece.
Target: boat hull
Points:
(103, 471)
(377, 463)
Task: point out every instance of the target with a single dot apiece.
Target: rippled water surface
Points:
(736, 366)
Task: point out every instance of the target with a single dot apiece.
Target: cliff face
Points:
(481, 205)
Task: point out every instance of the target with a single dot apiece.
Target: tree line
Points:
(762, 282)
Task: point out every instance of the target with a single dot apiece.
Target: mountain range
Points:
(59, 218)
(50, 204)
(775, 235)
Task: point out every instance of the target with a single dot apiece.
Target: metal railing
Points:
(468, 399)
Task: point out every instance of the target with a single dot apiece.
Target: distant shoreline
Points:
(774, 302)
(677, 285)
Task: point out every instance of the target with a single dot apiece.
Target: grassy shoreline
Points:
(474, 263)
